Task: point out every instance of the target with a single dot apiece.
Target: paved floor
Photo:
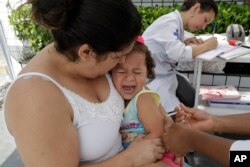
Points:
(8, 153)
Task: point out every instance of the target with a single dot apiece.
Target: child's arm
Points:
(150, 116)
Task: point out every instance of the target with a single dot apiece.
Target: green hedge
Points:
(228, 13)
(38, 37)
(27, 29)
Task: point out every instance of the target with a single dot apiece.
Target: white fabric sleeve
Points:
(188, 35)
(240, 145)
(162, 33)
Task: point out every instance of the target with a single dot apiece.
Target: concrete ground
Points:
(8, 154)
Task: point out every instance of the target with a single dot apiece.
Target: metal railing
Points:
(237, 80)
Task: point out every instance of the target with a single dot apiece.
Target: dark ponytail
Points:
(106, 25)
(52, 14)
(206, 5)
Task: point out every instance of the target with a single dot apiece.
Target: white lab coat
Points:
(164, 38)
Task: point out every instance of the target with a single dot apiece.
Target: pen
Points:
(214, 28)
(245, 46)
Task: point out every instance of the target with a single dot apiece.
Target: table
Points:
(196, 80)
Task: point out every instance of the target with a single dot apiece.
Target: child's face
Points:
(129, 77)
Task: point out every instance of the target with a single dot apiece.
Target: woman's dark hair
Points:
(150, 64)
(106, 25)
(206, 5)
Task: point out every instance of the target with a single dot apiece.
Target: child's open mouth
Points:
(129, 89)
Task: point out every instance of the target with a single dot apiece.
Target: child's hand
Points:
(173, 161)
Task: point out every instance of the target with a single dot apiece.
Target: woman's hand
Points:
(207, 45)
(176, 139)
(194, 41)
(194, 118)
(211, 43)
(146, 151)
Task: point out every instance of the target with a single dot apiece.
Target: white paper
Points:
(239, 51)
(222, 48)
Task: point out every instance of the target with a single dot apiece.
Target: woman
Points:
(63, 108)
(165, 40)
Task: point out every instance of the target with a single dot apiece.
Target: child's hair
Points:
(105, 25)
(206, 5)
(150, 64)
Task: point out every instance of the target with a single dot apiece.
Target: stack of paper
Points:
(223, 50)
(239, 51)
(242, 103)
(219, 92)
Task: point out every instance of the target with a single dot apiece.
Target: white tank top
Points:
(97, 124)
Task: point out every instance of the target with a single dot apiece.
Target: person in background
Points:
(63, 109)
(143, 113)
(165, 39)
(195, 122)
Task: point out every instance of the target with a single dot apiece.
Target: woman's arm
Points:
(206, 46)
(238, 124)
(195, 118)
(181, 140)
(39, 118)
(138, 154)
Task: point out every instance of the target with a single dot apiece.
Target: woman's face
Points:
(200, 20)
(112, 59)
